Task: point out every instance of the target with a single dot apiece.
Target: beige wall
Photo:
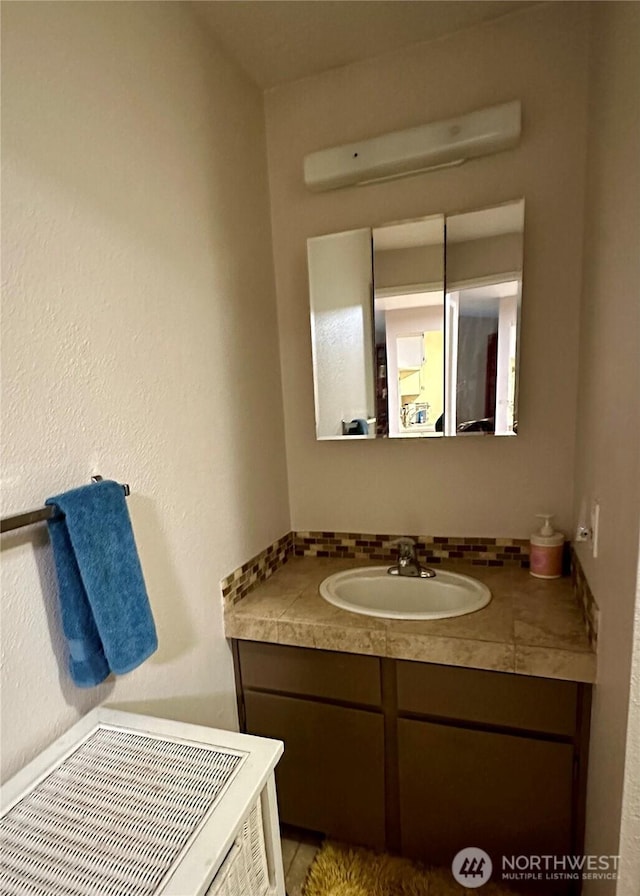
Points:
(139, 339)
(408, 267)
(608, 434)
(494, 486)
(474, 259)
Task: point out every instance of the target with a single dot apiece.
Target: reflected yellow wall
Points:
(426, 384)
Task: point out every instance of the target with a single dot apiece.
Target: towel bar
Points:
(18, 520)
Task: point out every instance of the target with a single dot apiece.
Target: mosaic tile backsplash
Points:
(430, 548)
(258, 569)
(585, 599)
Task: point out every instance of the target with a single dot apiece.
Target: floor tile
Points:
(299, 868)
(289, 849)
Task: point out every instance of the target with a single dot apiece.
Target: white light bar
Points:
(429, 146)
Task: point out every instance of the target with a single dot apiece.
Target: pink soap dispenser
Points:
(546, 550)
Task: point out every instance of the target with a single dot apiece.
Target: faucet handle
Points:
(406, 546)
(408, 564)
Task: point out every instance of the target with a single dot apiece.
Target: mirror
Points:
(405, 346)
(341, 283)
(408, 273)
(484, 290)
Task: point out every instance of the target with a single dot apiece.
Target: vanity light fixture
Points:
(439, 144)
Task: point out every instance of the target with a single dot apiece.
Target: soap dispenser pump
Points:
(545, 559)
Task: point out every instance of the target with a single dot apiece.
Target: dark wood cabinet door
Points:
(506, 794)
(331, 777)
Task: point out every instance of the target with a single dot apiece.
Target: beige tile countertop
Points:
(531, 627)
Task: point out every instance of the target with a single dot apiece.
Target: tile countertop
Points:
(531, 627)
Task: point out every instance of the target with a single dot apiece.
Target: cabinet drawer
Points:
(331, 776)
(494, 698)
(344, 677)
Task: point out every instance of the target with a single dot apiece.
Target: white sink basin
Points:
(370, 590)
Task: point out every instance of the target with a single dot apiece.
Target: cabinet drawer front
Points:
(331, 776)
(501, 792)
(494, 698)
(343, 677)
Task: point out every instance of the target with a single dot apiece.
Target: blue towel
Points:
(105, 610)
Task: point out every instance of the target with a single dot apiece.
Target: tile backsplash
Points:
(585, 599)
(430, 548)
(242, 580)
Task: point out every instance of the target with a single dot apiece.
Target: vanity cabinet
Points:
(421, 759)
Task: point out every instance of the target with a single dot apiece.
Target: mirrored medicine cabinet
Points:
(415, 326)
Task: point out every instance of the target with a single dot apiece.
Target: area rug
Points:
(347, 871)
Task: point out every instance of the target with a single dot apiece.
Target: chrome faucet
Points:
(408, 563)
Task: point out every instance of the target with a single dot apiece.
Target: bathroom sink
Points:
(370, 590)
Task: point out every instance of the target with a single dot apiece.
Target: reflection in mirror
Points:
(408, 261)
(340, 281)
(484, 289)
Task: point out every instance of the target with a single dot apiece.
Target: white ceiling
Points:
(283, 40)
